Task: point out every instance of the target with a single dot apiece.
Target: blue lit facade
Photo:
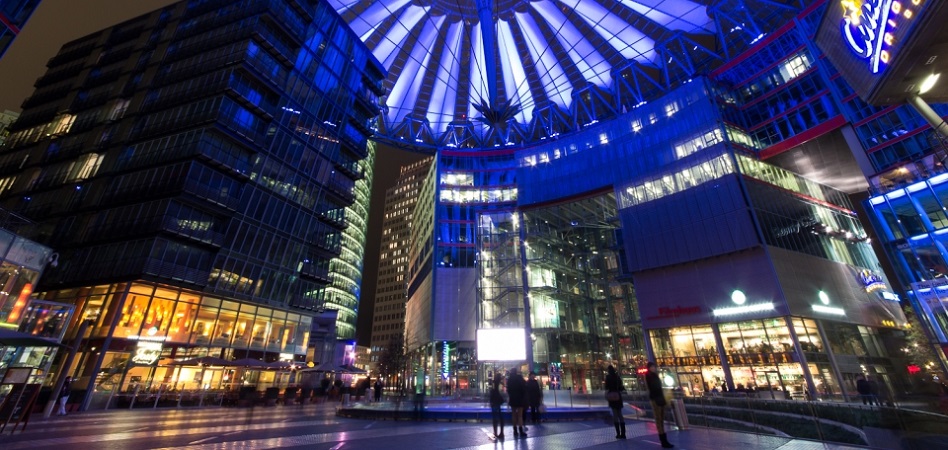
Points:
(627, 233)
(202, 172)
(13, 16)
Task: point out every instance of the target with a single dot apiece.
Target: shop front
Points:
(758, 356)
(142, 332)
(772, 324)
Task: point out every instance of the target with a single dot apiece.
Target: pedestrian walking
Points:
(534, 397)
(64, 396)
(496, 402)
(614, 391)
(378, 390)
(517, 399)
(657, 397)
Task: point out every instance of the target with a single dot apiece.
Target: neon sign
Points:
(445, 360)
(869, 27)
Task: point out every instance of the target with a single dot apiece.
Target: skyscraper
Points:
(388, 317)
(197, 168)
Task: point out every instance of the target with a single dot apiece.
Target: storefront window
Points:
(133, 314)
(808, 334)
(227, 326)
(205, 326)
(185, 314)
(279, 335)
(160, 315)
(844, 339)
(661, 343)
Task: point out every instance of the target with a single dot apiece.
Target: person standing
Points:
(864, 390)
(496, 401)
(64, 396)
(657, 397)
(517, 393)
(377, 389)
(534, 397)
(614, 391)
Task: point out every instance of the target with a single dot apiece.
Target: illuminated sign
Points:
(869, 27)
(148, 350)
(501, 344)
(740, 299)
(147, 353)
(829, 310)
(734, 310)
(870, 280)
(445, 360)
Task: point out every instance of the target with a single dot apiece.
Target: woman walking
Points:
(657, 398)
(496, 401)
(614, 391)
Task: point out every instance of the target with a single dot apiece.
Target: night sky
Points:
(56, 22)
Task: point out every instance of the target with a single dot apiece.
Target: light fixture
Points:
(929, 83)
(824, 298)
(738, 297)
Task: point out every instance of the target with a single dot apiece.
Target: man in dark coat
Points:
(657, 397)
(534, 398)
(517, 391)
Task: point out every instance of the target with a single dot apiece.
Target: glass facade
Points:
(13, 16)
(217, 148)
(912, 226)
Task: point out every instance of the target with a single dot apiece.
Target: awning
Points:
(203, 361)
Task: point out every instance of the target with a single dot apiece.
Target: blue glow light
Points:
(544, 41)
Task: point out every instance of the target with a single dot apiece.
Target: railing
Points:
(768, 412)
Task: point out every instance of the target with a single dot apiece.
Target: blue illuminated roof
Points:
(546, 52)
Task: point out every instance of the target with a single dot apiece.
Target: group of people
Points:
(527, 393)
(656, 396)
(522, 394)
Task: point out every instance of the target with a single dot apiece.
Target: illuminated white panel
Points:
(895, 194)
(673, 14)
(917, 186)
(631, 43)
(552, 76)
(444, 92)
(877, 200)
(829, 310)
(501, 344)
(587, 59)
(374, 15)
(744, 309)
(515, 78)
(938, 179)
(387, 49)
(402, 98)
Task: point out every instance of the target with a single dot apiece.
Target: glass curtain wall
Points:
(582, 316)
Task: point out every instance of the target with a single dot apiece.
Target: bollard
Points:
(158, 397)
(134, 396)
(681, 416)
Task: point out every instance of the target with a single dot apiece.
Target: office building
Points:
(623, 182)
(197, 169)
(388, 316)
